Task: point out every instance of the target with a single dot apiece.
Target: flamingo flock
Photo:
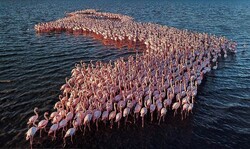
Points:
(164, 77)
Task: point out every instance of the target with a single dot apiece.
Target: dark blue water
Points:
(33, 67)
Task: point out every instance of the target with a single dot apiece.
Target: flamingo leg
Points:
(40, 133)
(118, 124)
(67, 109)
(96, 125)
(31, 142)
(29, 125)
(159, 121)
(181, 115)
(55, 134)
(134, 118)
(84, 129)
(142, 121)
(105, 123)
(64, 142)
(111, 125)
(62, 131)
(89, 126)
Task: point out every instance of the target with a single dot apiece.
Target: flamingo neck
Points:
(35, 111)
(115, 107)
(45, 116)
(34, 124)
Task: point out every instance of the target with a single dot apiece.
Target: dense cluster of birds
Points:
(164, 77)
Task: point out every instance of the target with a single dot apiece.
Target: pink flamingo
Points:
(152, 109)
(33, 118)
(87, 121)
(70, 114)
(53, 114)
(105, 116)
(159, 106)
(163, 114)
(97, 115)
(126, 112)
(63, 123)
(118, 118)
(52, 129)
(77, 122)
(191, 105)
(143, 113)
(137, 109)
(30, 134)
(112, 115)
(176, 105)
(43, 123)
(57, 118)
(70, 132)
(184, 109)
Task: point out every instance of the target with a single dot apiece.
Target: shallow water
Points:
(33, 67)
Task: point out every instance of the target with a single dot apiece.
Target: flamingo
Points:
(87, 121)
(191, 105)
(152, 109)
(43, 123)
(97, 115)
(112, 115)
(118, 118)
(52, 129)
(137, 109)
(53, 114)
(159, 106)
(30, 134)
(105, 116)
(176, 105)
(33, 118)
(70, 132)
(163, 114)
(63, 123)
(216, 66)
(77, 122)
(57, 118)
(126, 112)
(184, 109)
(143, 113)
(70, 114)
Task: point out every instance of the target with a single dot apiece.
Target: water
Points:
(33, 67)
